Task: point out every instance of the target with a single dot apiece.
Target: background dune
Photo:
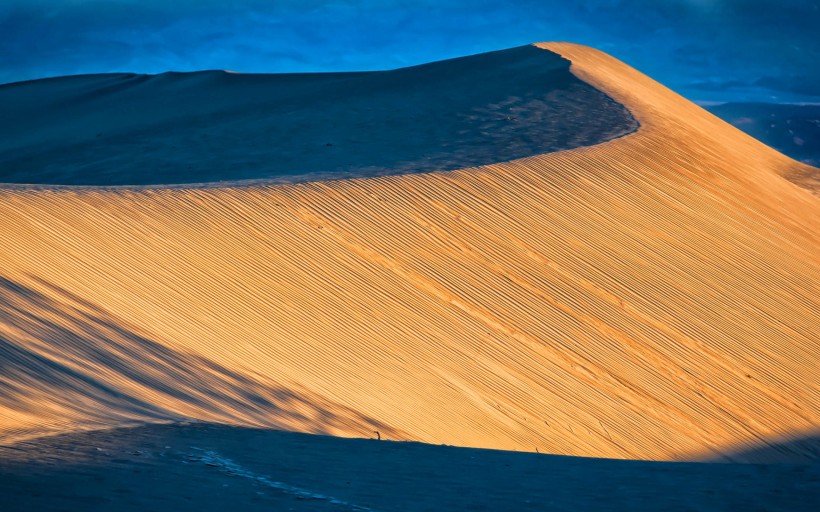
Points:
(651, 297)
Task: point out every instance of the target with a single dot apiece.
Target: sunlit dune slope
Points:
(651, 297)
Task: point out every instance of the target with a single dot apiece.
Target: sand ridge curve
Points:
(651, 297)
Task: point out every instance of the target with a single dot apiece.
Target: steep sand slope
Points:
(652, 297)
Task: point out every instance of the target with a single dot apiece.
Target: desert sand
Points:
(653, 297)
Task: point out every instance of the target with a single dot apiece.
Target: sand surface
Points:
(223, 127)
(651, 297)
(206, 467)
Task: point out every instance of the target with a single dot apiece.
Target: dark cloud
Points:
(806, 85)
(769, 48)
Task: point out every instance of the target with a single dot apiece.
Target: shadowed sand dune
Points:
(650, 297)
(214, 468)
(215, 126)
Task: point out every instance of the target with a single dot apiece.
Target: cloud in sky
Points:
(760, 48)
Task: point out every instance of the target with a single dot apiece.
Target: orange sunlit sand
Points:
(654, 296)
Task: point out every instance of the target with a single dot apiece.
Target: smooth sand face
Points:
(220, 127)
(652, 297)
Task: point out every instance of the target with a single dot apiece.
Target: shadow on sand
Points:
(292, 128)
(803, 449)
(66, 361)
(206, 467)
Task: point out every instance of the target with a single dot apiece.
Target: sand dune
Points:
(214, 468)
(650, 297)
(220, 127)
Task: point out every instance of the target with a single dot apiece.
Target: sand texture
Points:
(651, 297)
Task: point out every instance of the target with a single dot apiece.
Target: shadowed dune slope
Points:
(215, 126)
(651, 297)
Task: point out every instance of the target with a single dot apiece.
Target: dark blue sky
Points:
(709, 50)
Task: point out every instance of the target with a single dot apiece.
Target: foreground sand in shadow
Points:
(208, 467)
(650, 297)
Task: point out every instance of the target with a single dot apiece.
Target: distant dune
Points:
(654, 296)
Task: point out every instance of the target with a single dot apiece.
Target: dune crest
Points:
(652, 297)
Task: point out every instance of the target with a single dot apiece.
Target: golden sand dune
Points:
(652, 297)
